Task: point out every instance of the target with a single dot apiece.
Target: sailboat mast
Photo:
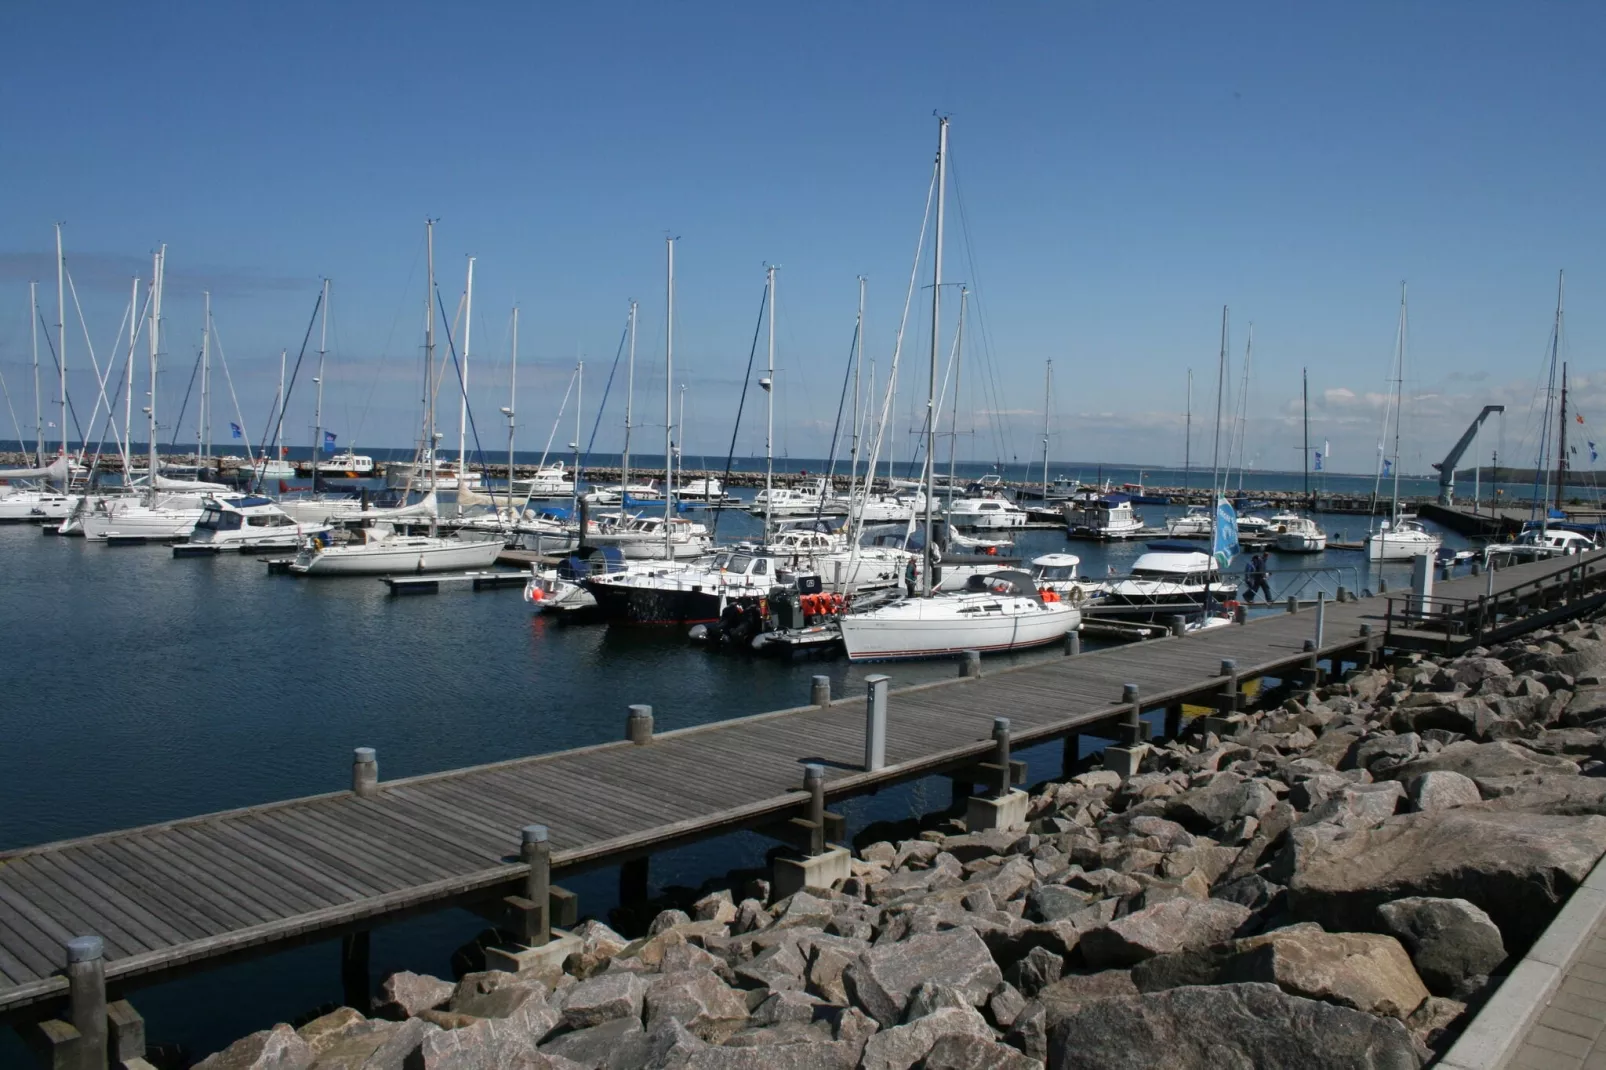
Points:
(1217, 484)
(1399, 402)
(429, 351)
(769, 406)
(1304, 396)
(1187, 435)
(278, 435)
(579, 404)
(630, 395)
(931, 393)
(33, 331)
(202, 424)
(1561, 443)
(953, 422)
(680, 447)
(128, 385)
(462, 406)
(1048, 407)
(669, 399)
(317, 416)
(155, 342)
(61, 340)
(512, 409)
(858, 365)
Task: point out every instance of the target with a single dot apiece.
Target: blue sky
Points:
(1124, 171)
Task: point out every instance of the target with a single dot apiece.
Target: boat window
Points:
(761, 567)
(739, 563)
(260, 521)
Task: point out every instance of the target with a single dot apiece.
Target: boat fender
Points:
(1077, 596)
(1231, 605)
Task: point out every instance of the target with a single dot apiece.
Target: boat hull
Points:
(439, 555)
(872, 638)
(1386, 548)
(138, 522)
(1292, 542)
(631, 604)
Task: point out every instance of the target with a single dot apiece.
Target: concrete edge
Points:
(1498, 1030)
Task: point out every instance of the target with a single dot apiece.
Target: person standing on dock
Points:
(1255, 573)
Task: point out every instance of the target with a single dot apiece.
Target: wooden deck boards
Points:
(190, 889)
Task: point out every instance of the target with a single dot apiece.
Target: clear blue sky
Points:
(1125, 170)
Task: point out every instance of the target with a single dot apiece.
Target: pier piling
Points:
(536, 851)
(638, 726)
(875, 722)
(365, 772)
(86, 998)
(820, 691)
(1073, 644)
(1179, 625)
(970, 663)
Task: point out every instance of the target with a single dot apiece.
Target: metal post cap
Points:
(1310, 644)
(822, 680)
(85, 949)
(878, 678)
(1000, 725)
(640, 711)
(1229, 666)
(1129, 692)
(813, 771)
(533, 833)
(363, 754)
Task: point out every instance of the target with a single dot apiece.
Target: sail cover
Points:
(192, 485)
(56, 469)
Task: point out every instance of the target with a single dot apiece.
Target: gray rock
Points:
(1356, 806)
(824, 972)
(802, 908)
(1072, 989)
(599, 944)
(1545, 793)
(1226, 1027)
(1387, 751)
(603, 998)
(787, 1006)
(666, 920)
(404, 994)
(698, 1000)
(777, 967)
(671, 1046)
(1454, 945)
(901, 1047)
(620, 1044)
(1252, 891)
(376, 1045)
(495, 994)
(1038, 968)
(1516, 866)
(1366, 971)
(1004, 1006)
(487, 1044)
(717, 906)
(930, 998)
(1175, 925)
(1440, 790)
(967, 1051)
(1478, 760)
(1437, 1022)
(278, 1048)
(1226, 798)
(797, 1053)
(883, 978)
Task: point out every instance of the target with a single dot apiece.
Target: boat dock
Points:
(192, 892)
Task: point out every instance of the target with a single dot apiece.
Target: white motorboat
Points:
(1254, 527)
(983, 513)
(1059, 573)
(1172, 580)
(705, 490)
(999, 612)
(550, 481)
(244, 523)
(1295, 534)
(380, 551)
(642, 537)
(812, 500)
(1196, 523)
(888, 508)
(1536, 544)
(446, 475)
(1401, 540)
(1106, 517)
(266, 469)
(348, 464)
(546, 531)
(648, 493)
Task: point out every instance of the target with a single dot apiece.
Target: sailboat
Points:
(1397, 538)
(379, 548)
(1296, 534)
(37, 499)
(997, 612)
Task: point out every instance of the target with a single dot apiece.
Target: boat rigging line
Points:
(747, 379)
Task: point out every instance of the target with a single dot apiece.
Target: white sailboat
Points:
(1398, 538)
(382, 550)
(999, 612)
(1292, 533)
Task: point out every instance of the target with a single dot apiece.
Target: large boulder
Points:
(1454, 945)
(967, 1051)
(883, 978)
(603, 998)
(404, 994)
(278, 1048)
(1547, 793)
(1479, 760)
(488, 1044)
(698, 1000)
(1174, 925)
(1225, 799)
(1226, 1027)
(903, 1046)
(1518, 867)
(620, 1044)
(1365, 971)
(1441, 789)
(495, 994)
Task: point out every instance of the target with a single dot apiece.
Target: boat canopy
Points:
(244, 501)
(1006, 581)
(1191, 561)
(1057, 560)
(596, 561)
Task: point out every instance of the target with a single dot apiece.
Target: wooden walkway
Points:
(173, 895)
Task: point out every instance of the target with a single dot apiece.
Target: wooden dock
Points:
(185, 893)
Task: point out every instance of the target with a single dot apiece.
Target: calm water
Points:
(140, 688)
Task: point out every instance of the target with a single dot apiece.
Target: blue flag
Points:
(1593, 456)
(329, 442)
(1318, 465)
(1388, 466)
(234, 429)
(1224, 544)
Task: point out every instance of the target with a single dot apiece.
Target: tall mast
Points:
(669, 401)
(931, 393)
(317, 415)
(680, 446)
(278, 434)
(155, 344)
(579, 403)
(630, 395)
(128, 385)
(769, 405)
(61, 338)
(1561, 442)
(953, 421)
(202, 423)
(1048, 407)
(1399, 402)
(1187, 435)
(858, 365)
(33, 331)
(512, 408)
(429, 349)
(1218, 486)
(462, 406)
(1304, 395)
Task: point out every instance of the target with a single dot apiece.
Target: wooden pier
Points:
(191, 892)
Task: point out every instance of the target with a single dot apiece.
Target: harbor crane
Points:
(1446, 467)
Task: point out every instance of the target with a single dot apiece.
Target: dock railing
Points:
(1488, 616)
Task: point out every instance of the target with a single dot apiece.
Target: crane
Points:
(1446, 467)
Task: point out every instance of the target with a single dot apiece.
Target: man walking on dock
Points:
(1255, 572)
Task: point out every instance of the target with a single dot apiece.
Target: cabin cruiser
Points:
(559, 590)
(882, 508)
(1536, 544)
(674, 594)
(817, 547)
(998, 612)
(812, 500)
(1197, 523)
(1401, 540)
(446, 474)
(380, 550)
(1253, 527)
(550, 481)
(244, 523)
(1058, 573)
(643, 536)
(986, 511)
(1172, 580)
(264, 469)
(704, 490)
(648, 493)
(1107, 517)
(1295, 534)
(348, 464)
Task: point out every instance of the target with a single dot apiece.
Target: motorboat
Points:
(350, 465)
(1059, 573)
(1107, 517)
(265, 469)
(547, 531)
(559, 590)
(1254, 527)
(704, 490)
(1295, 534)
(550, 481)
(1197, 523)
(990, 511)
(670, 593)
(643, 536)
(1401, 540)
(974, 543)
(815, 499)
(244, 523)
(1172, 580)
(380, 550)
(881, 508)
(1538, 543)
(999, 612)
(648, 493)
(442, 475)
(826, 552)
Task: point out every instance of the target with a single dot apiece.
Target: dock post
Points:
(1073, 644)
(365, 772)
(638, 726)
(634, 876)
(1240, 613)
(1002, 785)
(970, 663)
(1293, 603)
(1179, 625)
(1321, 616)
(1313, 668)
(1343, 593)
(820, 691)
(1004, 806)
(1132, 729)
(814, 784)
(86, 997)
(354, 972)
(1477, 567)
(535, 850)
(1173, 720)
(822, 866)
(875, 722)
(1421, 584)
(1071, 756)
(126, 1029)
(1229, 689)
(1382, 584)
(1125, 759)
